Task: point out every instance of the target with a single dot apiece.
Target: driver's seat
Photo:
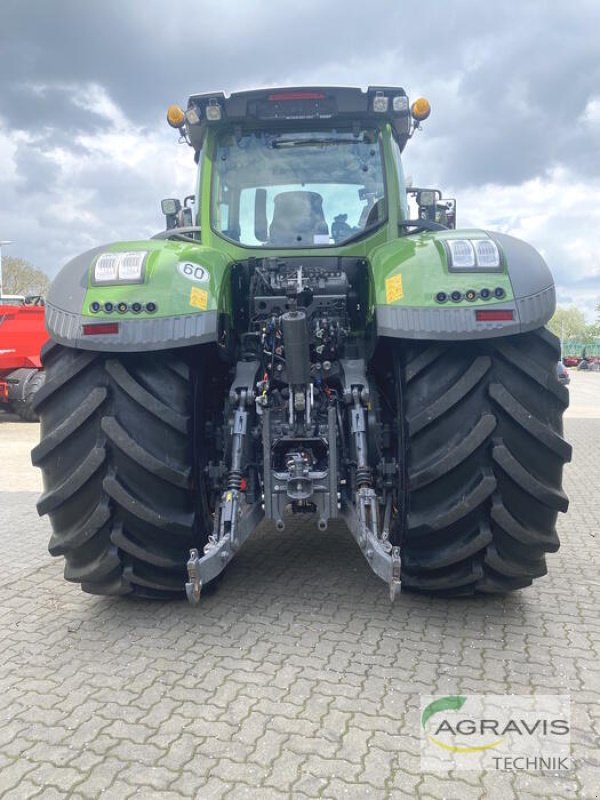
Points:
(297, 218)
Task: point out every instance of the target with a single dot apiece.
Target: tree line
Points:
(21, 277)
(570, 323)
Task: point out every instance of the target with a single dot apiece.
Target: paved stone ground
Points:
(296, 679)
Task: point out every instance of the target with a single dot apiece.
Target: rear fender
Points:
(175, 304)
(408, 274)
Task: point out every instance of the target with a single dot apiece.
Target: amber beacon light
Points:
(175, 116)
(420, 109)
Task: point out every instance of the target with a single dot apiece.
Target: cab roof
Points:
(283, 106)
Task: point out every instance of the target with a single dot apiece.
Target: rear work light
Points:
(477, 255)
(100, 328)
(462, 254)
(494, 315)
(213, 111)
(192, 115)
(111, 268)
(380, 103)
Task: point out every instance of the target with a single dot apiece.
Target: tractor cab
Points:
(302, 168)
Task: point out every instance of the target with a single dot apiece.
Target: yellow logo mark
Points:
(394, 289)
(199, 298)
(452, 703)
(455, 749)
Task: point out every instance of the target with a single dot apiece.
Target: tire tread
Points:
(483, 454)
(116, 456)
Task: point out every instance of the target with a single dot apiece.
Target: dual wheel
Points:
(480, 431)
(479, 445)
(117, 452)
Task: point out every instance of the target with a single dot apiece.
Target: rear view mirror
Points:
(427, 197)
(170, 206)
(433, 207)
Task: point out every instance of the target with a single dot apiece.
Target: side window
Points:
(397, 156)
(226, 213)
(221, 205)
(199, 190)
(223, 217)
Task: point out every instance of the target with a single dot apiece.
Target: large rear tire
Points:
(117, 457)
(25, 408)
(481, 462)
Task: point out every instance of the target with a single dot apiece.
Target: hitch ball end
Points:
(193, 587)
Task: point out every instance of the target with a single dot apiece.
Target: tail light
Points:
(494, 315)
(100, 328)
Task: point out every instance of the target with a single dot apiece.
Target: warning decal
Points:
(393, 289)
(199, 298)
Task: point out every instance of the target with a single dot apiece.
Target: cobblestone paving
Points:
(295, 679)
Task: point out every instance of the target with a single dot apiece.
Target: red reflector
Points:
(494, 315)
(283, 96)
(100, 328)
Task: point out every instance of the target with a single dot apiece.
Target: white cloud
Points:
(591, 115)
(104, 186)
(555, 214)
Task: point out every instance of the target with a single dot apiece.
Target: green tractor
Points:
(298, 342)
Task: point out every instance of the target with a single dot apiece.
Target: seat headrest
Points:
(297, 217)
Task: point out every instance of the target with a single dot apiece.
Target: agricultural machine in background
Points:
(296, 344)
(22, 335)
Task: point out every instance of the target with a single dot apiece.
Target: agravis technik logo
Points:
(517, 732)
(455, 703)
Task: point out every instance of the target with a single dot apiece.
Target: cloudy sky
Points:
(86, 155)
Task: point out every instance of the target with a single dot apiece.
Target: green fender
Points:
(176, 303)
(409, 275)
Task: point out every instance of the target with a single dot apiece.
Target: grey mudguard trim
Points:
(69, 288)
(529, 273)
(460, 323)
(536, 309)
(156, 333)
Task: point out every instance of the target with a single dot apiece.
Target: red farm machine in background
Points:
(22, 334)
